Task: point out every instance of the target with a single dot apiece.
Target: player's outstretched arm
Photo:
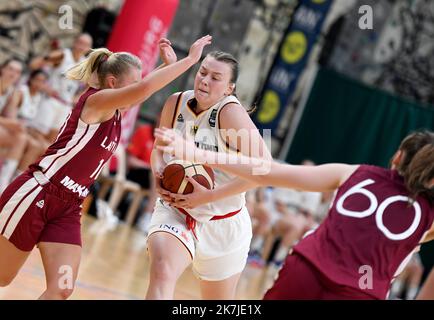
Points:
(262, 172)
(111, 99)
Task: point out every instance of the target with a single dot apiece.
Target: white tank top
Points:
(4, 98)
(29, 105)
(205, 128)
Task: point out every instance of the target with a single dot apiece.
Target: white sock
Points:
(6, 173)
(257, 244)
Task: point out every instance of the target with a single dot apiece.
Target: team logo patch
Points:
(193, 130)
(180, 118)
(212, 118)
(40, 204)
(170, 228)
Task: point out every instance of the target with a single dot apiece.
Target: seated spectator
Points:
(19, 148)
(30, 98)
(262, 213)
(63, 92)
(406, 285)
(12, 133)
(427, 290)
(324, 206)
(10, 74)
(297, 216)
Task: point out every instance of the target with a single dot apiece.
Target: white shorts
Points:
(221, 248)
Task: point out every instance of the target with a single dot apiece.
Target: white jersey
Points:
(311, 201)
(29, 104)
(205, 128)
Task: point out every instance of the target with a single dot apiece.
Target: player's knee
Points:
(161, 271)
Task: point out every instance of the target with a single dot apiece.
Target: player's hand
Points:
(198, 197)
(164, 194)
(167, 54)
(196, 48)
(175, 145)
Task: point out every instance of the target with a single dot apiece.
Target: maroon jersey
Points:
(80, 151)
(370, 232)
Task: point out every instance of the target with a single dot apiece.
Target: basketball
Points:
(175, 172)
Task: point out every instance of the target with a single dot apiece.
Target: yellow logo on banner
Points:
(294, 48)
(318, 1)
(270, 107)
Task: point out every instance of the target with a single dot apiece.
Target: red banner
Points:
(139, 26)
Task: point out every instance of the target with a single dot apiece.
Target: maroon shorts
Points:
(300, 280)
(33, 212)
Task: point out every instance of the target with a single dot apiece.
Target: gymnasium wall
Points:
(397, 55)
(27, 27)
(379, 90)
(350, 122)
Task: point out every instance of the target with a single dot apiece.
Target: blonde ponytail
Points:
(83, 71)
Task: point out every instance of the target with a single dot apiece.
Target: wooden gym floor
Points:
(115, 266)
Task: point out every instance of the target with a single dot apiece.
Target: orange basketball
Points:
(175, 172)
